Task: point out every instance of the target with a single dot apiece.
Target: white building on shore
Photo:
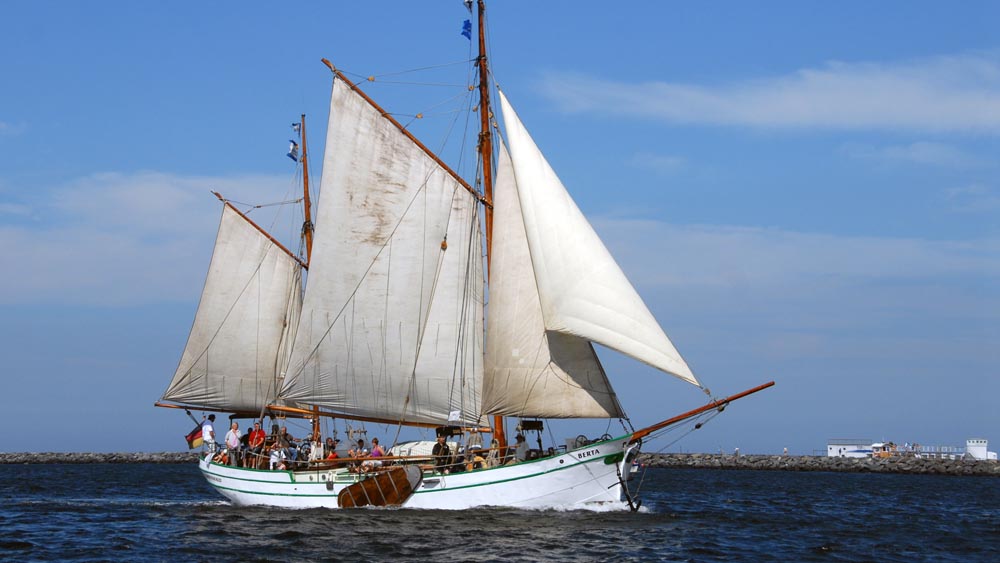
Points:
(975, 448)
(848, 447)
(978, 448)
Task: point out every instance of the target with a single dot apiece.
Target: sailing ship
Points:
(403, 322)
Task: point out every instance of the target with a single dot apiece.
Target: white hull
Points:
(586, 477)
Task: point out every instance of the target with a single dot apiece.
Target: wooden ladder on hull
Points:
(387, 488)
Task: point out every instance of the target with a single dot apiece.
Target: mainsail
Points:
(239, 340)
(582, 290)
(392, 322)
(529, 372)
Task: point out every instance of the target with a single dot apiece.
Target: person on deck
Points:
(277, 456)
(330, 449)
(256, 446)
(316, 447)
(208, 433)
(286, 442)
(442, 455)
(377, 452)
(233, 443)
(521, 449)
(357, 453)
(473, 460)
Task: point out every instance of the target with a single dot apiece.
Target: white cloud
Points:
(658, 163)
(921, 152)
(947, 93)
(121, 239)
(730, 255)
(16, 209)
(808, 289)
(974, 198)
(10, 129)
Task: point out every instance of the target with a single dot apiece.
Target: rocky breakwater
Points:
(913, 465)
(57, 457)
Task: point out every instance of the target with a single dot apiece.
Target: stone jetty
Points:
(899, 464)
(913, 465)
(57, 457)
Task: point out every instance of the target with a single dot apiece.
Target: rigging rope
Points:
(399, 72)
(400, 82)
(707, 416)
(251, 207)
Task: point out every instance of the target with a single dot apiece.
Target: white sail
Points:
(582, 290)
(239, 339)
(392, 321)
(529, 372)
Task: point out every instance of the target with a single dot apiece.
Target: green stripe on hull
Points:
(472, 486)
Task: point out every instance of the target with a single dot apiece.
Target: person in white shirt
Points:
(233, 444)
(208, 433)
(521, 450)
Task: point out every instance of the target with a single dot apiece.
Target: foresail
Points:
(582, 290)
(392, 318)
(239, 339)
(531, 373)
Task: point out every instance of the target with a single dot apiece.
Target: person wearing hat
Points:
(521, 449)
(208, 433)
(330, 449)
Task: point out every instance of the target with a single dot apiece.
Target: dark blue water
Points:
(168, 513)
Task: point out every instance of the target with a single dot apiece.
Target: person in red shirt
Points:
(256, 444)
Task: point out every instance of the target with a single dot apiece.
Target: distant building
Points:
(976, 448)
(848, 447)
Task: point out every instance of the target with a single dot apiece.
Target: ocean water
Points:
(169, 513)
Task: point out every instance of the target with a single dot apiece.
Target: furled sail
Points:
(240, 337)
(582, 290)
(392, 323)
(529, 372)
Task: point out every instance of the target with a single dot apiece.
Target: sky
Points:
(802, 192)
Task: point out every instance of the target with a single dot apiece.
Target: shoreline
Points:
(751, 462)
(758, 462)
(52, 458)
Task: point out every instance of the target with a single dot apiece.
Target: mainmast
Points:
(307, 224)
(307, 234)
(486, 152)
(485, 135)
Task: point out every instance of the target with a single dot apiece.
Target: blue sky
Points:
(802, 191)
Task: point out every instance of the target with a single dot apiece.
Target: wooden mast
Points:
(307, 224)
(485, 135)
(486, 152)
(307, 234)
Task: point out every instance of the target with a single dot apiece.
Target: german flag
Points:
(194, 439)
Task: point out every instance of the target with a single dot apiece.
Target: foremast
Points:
(307, 232)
